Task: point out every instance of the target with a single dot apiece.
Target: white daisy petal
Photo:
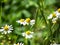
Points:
(24, 34)
(29, 36)
(1, 30)
(4, 32)
(50, 16)
(32, 32)
(9, 31)
(21, 44)
(54, 20)
(24, 23)
(32, 22)
(18, 21)
(58, 14)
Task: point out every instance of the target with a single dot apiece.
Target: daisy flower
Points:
(28, 34)
(21, 21)
(19, 44)
(55, 16)
(6, 29)
(52, 16)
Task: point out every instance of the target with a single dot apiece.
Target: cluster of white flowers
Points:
(28, 34)
(55, 16)
(6, 29)
(26, 21)
(19, 44)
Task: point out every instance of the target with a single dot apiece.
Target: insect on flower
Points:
(28, 34)
(6, 29)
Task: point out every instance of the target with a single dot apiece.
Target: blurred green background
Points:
(13, 10)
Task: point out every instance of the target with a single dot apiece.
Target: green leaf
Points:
(49, 2)
(26, 13)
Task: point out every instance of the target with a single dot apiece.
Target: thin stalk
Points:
(28, 42)
(42, 12)
(31, 27)
(36, 16)
(59, 29)
(51, 34)
(57, 32)
(0, 14)
(41, 6)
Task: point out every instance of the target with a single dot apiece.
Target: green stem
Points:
(42, 11)
(51, 35)
(41, 6)
(36, 16)
(31, 27)
(1, 14)
(57, 32)
(28, 42)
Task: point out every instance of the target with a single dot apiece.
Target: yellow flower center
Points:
(58, 10)
(17, 44)
(28, 20)
(28, 32)
(6, 27)
(21, 20)
(54, 15)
